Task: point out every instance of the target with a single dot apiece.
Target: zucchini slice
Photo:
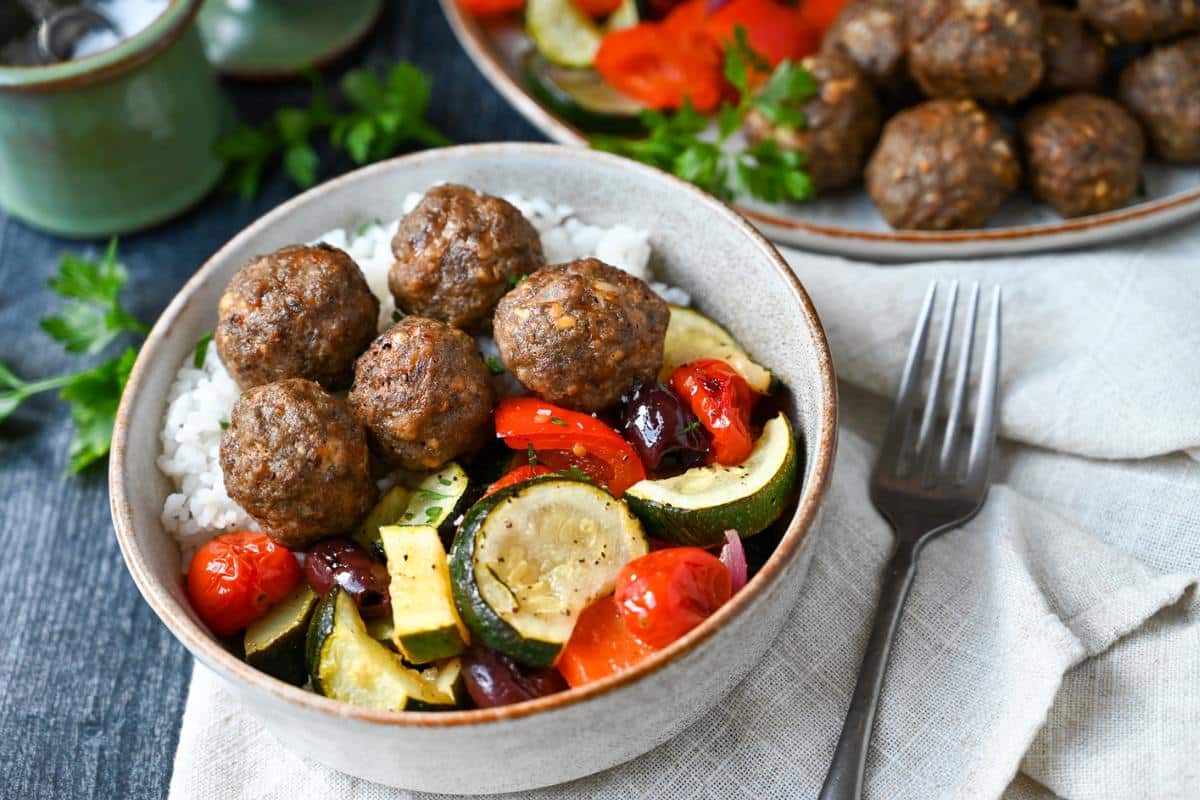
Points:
(582, 98)
(697, 507)
(529, 559)
(387, 511)
(691, 335)
(436, 500)
(444, 687)
(345, 663)
(275, 643)
(425, 624)
(562, 33)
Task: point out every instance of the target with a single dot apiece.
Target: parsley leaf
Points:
(383, 113)
(692, 426)
(95, 316)
(201, 353)
(531, 455)
(680, 143)
(494, 365)
(94, 396)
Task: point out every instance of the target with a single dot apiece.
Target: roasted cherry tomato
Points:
(495, 680)
(235, 578)
(601, 645)
(664, 431)
(517, 475)
(663, 65)
(594, 448)
(775, 30)
(722, 401)
(597, 8)
(489, 8)
(664, 594)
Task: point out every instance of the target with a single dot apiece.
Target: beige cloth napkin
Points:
(1050, 648)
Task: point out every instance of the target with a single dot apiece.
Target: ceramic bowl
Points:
(114, 142)
(733, 273)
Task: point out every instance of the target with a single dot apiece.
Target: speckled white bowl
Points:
(734, 275)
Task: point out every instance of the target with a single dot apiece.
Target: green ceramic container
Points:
(117, 141)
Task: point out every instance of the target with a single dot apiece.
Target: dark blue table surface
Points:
(92, 686)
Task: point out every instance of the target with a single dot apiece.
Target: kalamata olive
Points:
(343, 563)
(664, 431)
(496, 680)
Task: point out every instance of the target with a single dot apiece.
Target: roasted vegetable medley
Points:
(447, 537)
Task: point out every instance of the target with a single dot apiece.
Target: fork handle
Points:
(844, 780)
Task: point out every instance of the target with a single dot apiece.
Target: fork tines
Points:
(909, 448)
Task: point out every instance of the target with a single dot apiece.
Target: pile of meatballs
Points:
(982, 92)
(300, 325)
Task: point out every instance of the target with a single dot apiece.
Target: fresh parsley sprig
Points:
(382, 115)
(676, 142)
(90, 322)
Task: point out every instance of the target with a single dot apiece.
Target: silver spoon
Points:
(60, 29)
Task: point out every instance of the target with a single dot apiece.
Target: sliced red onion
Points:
(733, 556)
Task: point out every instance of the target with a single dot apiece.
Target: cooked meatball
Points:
(422, 392)
(1162, 90)
(841, 123)
(986, 50)
(582, 334)
(1132, 21)
(297, 461)
(871, 34)
(1084, 154)
(943, 164)
(457, 253)
(1074, 56)
(300, 312)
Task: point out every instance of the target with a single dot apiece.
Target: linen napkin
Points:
(1050, 647)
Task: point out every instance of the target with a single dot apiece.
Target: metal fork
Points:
(923, 488)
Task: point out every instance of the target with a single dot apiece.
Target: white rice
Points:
(200, 400)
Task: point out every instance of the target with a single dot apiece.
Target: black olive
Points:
(663, 430)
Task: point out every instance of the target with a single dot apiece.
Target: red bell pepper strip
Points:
(774, 30)
(664, 64)
(518, 475)
(600, 645)
(524, 422)
(722, 401)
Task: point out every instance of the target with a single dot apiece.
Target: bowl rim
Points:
(124, 56)
(208, 650)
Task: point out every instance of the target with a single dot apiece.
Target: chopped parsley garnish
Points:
(494, 365)
(432, 513)
(397, 315)
(201, 350)
(529, 452)
(692, 426)
(558, 421)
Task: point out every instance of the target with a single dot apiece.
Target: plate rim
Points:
(1164, 211)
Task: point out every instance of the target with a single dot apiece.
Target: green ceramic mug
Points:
(113, 142)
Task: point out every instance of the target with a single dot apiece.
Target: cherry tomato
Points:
(601, 645)
(235, 578)
(664, 594)
(517, 475)
(488, 8)
(662, 65)
(597, 8)
(722, 401)
(596, 449)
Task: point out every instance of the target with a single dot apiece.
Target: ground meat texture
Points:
(300, 312)
(457, 253)
(422, 391)
(582, 334)
(1084, 154)
(1133, 21)
(871, 34)
(842, 123)
(942, 164)
(1075, 59)
(297, 461)
(986, 50)
(1162, 89)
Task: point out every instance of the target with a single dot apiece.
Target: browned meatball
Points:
(300, 312)
(871, 34)
(297, 461)
(940, 165)
(1162, 90)
(841, 123)
(422, 391)
(1084, 154)
(1133, 21)
(582, 334)
(987, 50)
(1074, 56)
(457, 253)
